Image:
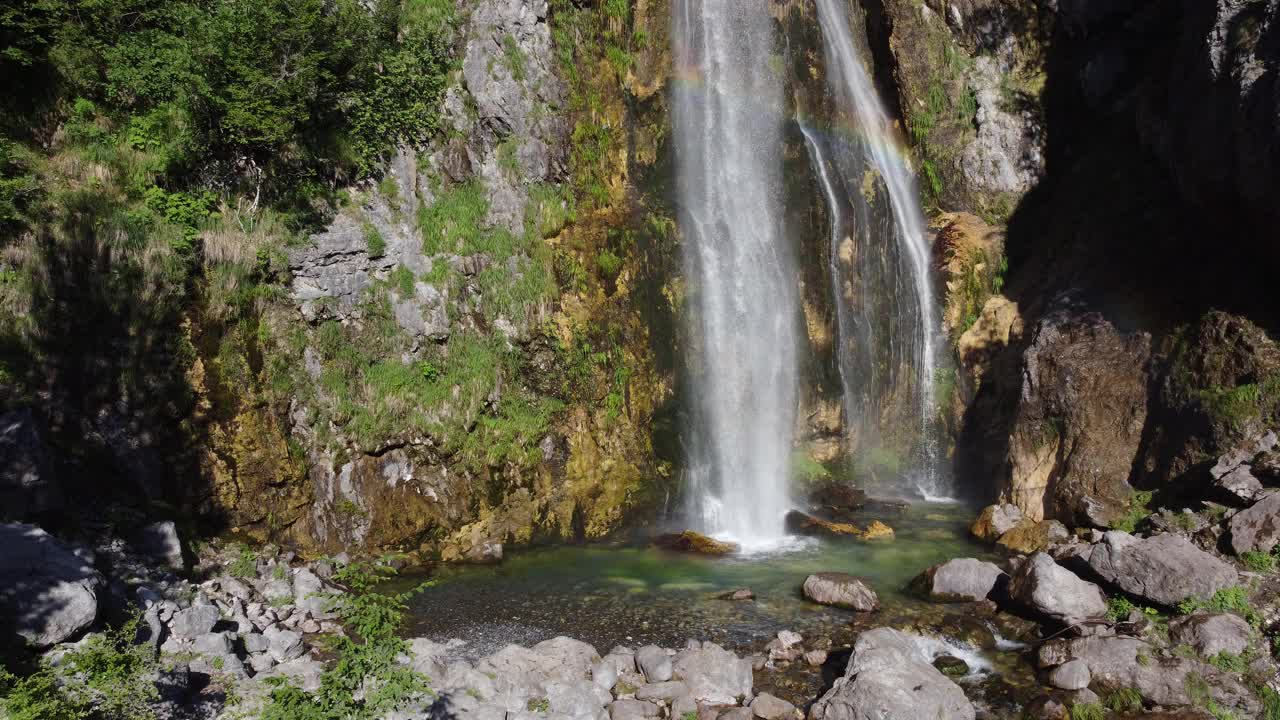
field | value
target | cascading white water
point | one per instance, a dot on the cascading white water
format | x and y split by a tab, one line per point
728	139
906	331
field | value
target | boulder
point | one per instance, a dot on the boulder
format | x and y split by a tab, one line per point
662	691
786	646
692	542
1031	536
1071	675
799	523
633	710
1211	634
960	580
994	521
284	645
48	593
739	594
310	594
769	707
1048	589
1219	352
1243	454
1077	427
1164	569
28	485
713	674
160	542
194	621
889	678
837	496
1121	662
841	590
1239	486
573	657
1257	528
654	662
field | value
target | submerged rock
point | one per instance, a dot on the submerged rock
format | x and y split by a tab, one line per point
694	542
1165	569
888	679
739	594
951	666
841	590
801	523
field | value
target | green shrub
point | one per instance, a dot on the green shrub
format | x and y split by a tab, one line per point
609	264
104	678
1230	662
1234	599
1258	561
366	664
1118	608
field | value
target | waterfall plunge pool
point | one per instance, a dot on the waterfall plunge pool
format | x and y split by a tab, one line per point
634	595
627	594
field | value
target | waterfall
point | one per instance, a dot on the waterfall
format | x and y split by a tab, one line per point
728	138
881	273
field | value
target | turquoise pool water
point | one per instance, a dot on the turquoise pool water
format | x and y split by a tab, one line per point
625	594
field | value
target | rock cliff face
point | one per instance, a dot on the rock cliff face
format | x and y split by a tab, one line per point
1118	219
478	349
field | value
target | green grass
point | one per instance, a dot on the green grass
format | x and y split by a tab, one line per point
1241	406
244	564
373	240
1088	711
1124	700
1234	599
514	58
1138	510
454	223
402	280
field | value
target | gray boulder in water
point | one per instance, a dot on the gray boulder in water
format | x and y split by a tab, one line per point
841	590
960	580
47	591
890	678
1164	569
